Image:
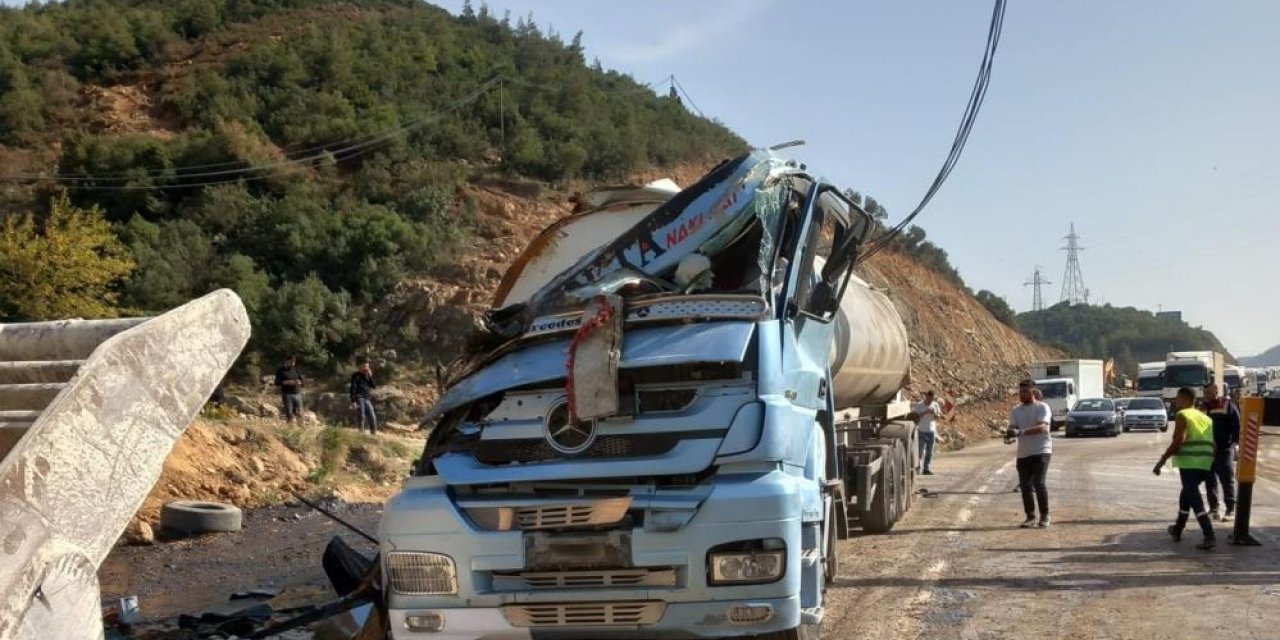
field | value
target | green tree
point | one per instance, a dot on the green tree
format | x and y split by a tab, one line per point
998	307
306	318
173	259
68	266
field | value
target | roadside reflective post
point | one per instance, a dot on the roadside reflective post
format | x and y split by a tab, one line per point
1257	412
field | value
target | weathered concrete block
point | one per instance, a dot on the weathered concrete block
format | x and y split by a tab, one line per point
71	484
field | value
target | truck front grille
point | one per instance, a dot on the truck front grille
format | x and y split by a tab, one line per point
594	513
496	452
555	516
602	579
585	614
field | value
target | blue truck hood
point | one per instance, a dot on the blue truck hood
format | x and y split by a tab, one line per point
725	341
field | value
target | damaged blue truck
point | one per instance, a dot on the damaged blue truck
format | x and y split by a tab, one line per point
680	401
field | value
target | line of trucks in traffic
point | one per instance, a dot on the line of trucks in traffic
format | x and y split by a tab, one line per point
1065	382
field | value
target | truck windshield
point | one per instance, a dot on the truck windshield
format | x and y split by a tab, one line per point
1232	380
1150	383
1053	389
1186	375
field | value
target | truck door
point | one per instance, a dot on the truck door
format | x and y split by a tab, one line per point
809	330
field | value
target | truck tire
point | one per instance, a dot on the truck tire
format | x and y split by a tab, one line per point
905	432
880	517
905	475
188	517
832	565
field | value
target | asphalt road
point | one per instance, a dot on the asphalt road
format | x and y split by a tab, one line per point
959	566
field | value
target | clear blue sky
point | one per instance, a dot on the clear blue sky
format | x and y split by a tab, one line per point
1152	125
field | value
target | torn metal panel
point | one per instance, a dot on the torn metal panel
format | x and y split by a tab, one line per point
79	471
645	347
593	362
704	218
556	248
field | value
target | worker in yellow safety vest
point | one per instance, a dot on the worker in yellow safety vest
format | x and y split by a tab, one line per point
1192	453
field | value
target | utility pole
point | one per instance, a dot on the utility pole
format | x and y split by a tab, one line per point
1073	289
1036	281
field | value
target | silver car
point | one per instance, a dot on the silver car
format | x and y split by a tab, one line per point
1093	416
1145	413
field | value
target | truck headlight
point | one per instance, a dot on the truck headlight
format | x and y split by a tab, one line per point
747	562
414	573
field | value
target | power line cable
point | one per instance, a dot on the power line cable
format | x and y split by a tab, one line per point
303	156
974	105
677	85
257	173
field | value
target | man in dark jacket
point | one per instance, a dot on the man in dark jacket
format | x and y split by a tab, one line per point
289	379
362	397
1226	433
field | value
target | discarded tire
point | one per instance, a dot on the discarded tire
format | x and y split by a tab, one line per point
199	517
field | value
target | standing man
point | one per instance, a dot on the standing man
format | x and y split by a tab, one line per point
927	412
1029	423
362	397
289	379
1192	453
1226	433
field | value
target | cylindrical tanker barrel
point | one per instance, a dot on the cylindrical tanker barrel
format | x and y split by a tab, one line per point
870	356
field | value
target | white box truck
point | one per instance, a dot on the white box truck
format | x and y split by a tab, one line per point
1063	382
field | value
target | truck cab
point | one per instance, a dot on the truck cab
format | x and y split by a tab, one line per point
1192	369
1061	395
651	449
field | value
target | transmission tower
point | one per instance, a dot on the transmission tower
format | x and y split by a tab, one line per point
1036	281
1073	289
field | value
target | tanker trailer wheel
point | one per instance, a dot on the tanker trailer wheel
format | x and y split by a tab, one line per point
905	474
189	517
905	433
880	517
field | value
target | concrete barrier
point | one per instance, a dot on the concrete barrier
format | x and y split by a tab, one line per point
89	410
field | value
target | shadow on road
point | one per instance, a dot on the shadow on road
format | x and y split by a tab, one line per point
1156	525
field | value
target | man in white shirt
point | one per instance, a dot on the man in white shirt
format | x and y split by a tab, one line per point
927	413
1029	423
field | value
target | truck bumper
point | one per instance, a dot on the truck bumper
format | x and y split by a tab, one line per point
680	621
749	507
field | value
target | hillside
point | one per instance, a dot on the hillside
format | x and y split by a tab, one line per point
1127	334
310	154
1268	358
